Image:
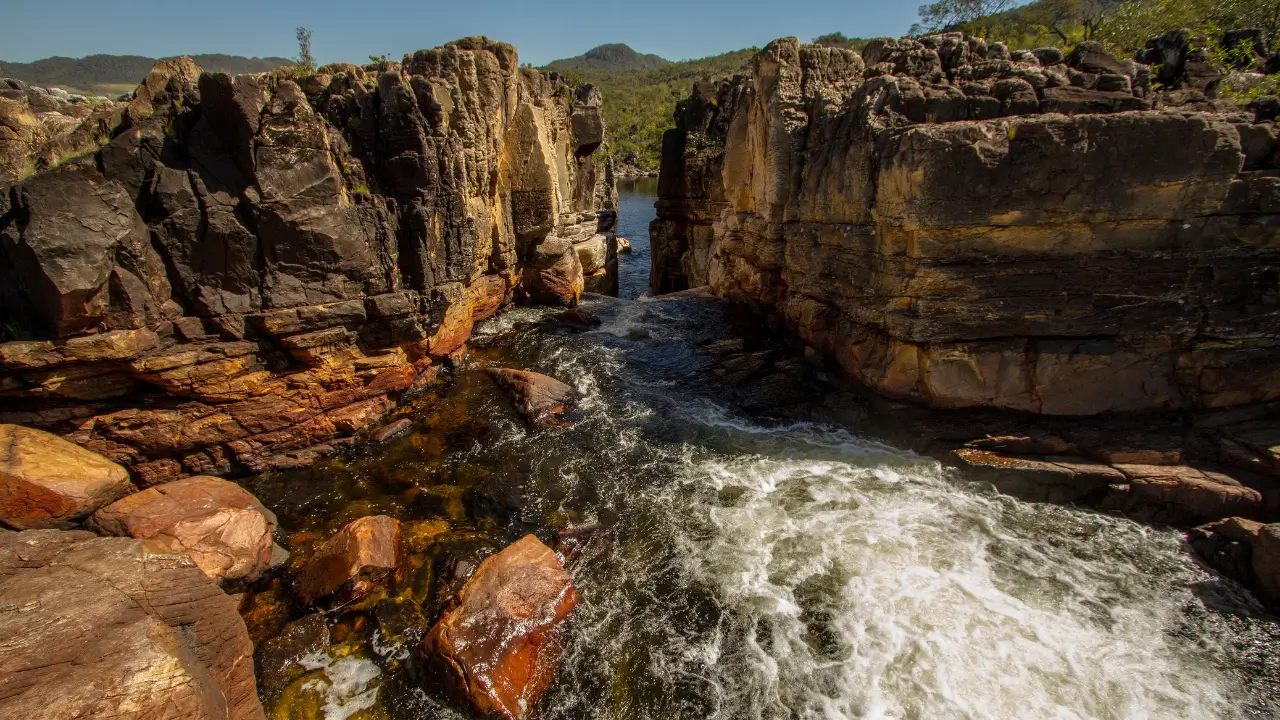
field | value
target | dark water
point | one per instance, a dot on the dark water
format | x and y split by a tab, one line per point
748	568
635	212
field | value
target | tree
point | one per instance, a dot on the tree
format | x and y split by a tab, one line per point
1066	18
948	13
306	60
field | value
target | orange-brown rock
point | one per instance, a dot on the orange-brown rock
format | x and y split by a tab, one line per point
944	233
178	337
218	524
536	398
499	648
352	563
49	483
116	628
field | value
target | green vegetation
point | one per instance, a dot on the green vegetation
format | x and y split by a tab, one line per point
1128	28
306	61
640	100
839	39
114	74
1122	25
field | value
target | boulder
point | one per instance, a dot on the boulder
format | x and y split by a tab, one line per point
578	319
349	565
560	283
497	650
64	255
1266	562
217	523
624	246
49	483
117	628
536	398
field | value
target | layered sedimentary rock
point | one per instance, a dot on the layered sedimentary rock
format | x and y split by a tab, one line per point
249	267
114	627
962	226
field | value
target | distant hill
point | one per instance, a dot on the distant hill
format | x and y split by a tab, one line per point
114	74
639	102
615	56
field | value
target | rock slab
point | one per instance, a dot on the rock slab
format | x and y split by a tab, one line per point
499	647
107	627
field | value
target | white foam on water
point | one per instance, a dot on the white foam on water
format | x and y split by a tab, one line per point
885	591
348	686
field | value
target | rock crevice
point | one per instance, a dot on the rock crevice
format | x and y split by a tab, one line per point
246	269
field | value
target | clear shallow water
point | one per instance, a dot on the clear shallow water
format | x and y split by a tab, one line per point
746	568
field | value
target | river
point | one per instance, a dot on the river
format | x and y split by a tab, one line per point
753	568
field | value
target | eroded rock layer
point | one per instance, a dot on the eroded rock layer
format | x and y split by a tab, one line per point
242	269
963	226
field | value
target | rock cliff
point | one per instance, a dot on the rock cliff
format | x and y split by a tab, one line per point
226	273
960	225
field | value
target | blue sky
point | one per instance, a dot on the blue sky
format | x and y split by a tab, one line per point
351	30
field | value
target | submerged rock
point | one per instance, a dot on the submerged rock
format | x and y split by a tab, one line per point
112	627
578	318
220	525
352	563
49	483
537	398
498	649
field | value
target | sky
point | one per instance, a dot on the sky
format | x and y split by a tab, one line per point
352	30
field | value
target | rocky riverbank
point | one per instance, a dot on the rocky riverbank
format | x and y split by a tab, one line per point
229	274
1008	238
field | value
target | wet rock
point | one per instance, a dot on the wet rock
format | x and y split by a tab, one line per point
536	398
498	649
578	318
113	627
352	563
218	524
49	483
394	430
278	659
1060	480
624	246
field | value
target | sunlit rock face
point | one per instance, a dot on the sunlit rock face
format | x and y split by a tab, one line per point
963	227
272	259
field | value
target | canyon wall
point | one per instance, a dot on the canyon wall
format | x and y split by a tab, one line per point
233	273
962	226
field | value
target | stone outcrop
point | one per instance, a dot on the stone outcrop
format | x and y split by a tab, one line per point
962	227
111	627
498	649
536	398
353	562
225	531
244	271
40	128
49	483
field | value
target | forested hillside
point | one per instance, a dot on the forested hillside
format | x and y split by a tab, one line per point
1122	25
639	103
